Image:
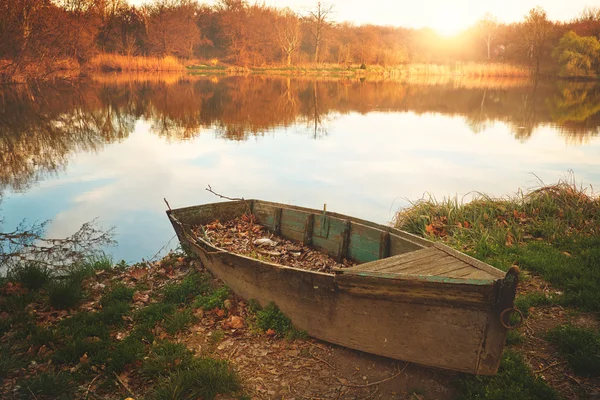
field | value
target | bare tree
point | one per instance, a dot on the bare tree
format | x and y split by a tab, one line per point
488	30
288	33
319	19
536	30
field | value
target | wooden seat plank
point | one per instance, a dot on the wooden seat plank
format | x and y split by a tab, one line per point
442	262
416	265
394	260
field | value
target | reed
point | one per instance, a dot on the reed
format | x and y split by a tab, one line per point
114	62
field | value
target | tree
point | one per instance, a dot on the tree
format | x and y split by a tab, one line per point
172	27
577	55
535	31
319	19
487	27
288	33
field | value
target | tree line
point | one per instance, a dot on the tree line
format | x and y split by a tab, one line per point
36	33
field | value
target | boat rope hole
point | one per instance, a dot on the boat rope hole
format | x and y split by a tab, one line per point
510	312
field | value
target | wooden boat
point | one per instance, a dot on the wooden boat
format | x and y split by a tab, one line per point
407	298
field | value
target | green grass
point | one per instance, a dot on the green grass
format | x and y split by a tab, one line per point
534	299
212	299
185	291
514	381
52	385
514	337
65	293
89	267
203	378
32	276
580	346
178	321
9	362
552	231
183	376
271	317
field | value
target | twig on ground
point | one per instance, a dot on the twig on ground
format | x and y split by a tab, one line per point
378	382
321	360
33	394
87	392
554	364
124	385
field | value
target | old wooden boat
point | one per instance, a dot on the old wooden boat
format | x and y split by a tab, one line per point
407	298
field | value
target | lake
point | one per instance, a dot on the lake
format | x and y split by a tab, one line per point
112	147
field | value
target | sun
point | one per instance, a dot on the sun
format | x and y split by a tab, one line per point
450	25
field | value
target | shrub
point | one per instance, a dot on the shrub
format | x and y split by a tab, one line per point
581	347
65	293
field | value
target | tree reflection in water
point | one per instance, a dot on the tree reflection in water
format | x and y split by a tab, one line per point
41	127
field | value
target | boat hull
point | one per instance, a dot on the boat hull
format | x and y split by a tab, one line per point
447	324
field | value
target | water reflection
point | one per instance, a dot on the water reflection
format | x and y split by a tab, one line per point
42	126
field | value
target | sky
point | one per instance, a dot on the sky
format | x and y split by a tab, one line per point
445	16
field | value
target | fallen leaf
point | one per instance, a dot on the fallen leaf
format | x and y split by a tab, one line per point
84	358
137	273
4	316
235	322
271	332
429	229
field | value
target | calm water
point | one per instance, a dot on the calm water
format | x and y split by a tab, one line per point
114	147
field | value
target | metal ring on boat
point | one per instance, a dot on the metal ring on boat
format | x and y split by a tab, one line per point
510	311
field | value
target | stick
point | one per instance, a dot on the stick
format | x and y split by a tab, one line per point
124	385
554	364
320	359
87	393
209	189
33	394
378	382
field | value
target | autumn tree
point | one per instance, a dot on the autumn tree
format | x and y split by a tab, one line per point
172	27
535	31
319	20
288	33
487	27
577	55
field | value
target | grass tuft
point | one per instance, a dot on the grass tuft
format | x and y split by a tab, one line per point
178	321
50	385
65	293
271	317
184	291
212	299
513	381
115	62
580	346
32	276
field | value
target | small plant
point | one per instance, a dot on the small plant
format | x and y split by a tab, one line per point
178	321
65	293
164	357
581	347
118	293
183	292
9	362
271	317
514	337
125	352
212	299
513	381
51	385
202	378
113	312
32	276
533	299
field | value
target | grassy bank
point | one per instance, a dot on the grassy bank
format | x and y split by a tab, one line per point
553	234
115	62
107	332
458	69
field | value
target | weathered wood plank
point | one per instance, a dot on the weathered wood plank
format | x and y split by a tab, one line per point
333	242
365	243
401	245
308	229
417	267
293	224
418	263
394	260
442	268
470	260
